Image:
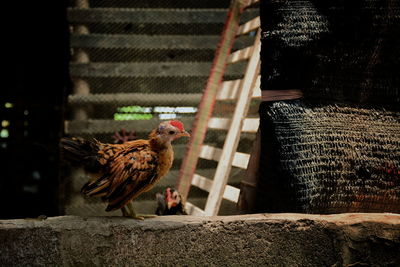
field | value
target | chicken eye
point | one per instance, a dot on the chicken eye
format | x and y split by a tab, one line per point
171	132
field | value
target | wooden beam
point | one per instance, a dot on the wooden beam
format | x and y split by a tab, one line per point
249	26
136	99
148	69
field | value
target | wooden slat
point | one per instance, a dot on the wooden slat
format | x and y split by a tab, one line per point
249	124
136	99
148	69
249	26
146	15
152	15
144	41
231	193
210	153
202	182
228	155
110	126
239	160
242	54
193	210
229	90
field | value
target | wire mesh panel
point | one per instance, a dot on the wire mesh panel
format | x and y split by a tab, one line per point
135	63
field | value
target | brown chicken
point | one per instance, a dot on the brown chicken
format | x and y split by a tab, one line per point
121	172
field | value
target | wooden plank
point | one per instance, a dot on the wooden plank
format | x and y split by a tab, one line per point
144	41
242	54
110	126
136	99
146	15
193	210
239	159
228	154
229	90
231	193
152	15
249	26
147	69
249	124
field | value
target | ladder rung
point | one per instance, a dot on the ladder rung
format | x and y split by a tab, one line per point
193	210
202	182
229	89
240	160
231	193
219	123
249	124
242	54
249	26
210	153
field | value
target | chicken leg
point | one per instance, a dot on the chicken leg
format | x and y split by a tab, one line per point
132	213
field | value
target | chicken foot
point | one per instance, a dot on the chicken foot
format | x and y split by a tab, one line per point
132	213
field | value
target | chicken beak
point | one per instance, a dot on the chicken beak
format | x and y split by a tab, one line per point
184	133
170	204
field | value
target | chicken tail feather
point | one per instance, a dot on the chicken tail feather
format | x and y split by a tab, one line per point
80	152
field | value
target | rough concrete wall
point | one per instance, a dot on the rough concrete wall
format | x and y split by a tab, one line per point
248	240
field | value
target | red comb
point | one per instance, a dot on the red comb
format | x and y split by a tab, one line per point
177	124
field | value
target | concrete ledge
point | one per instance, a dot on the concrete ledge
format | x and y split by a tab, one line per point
249	240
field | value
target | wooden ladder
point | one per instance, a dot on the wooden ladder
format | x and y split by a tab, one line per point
242	91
